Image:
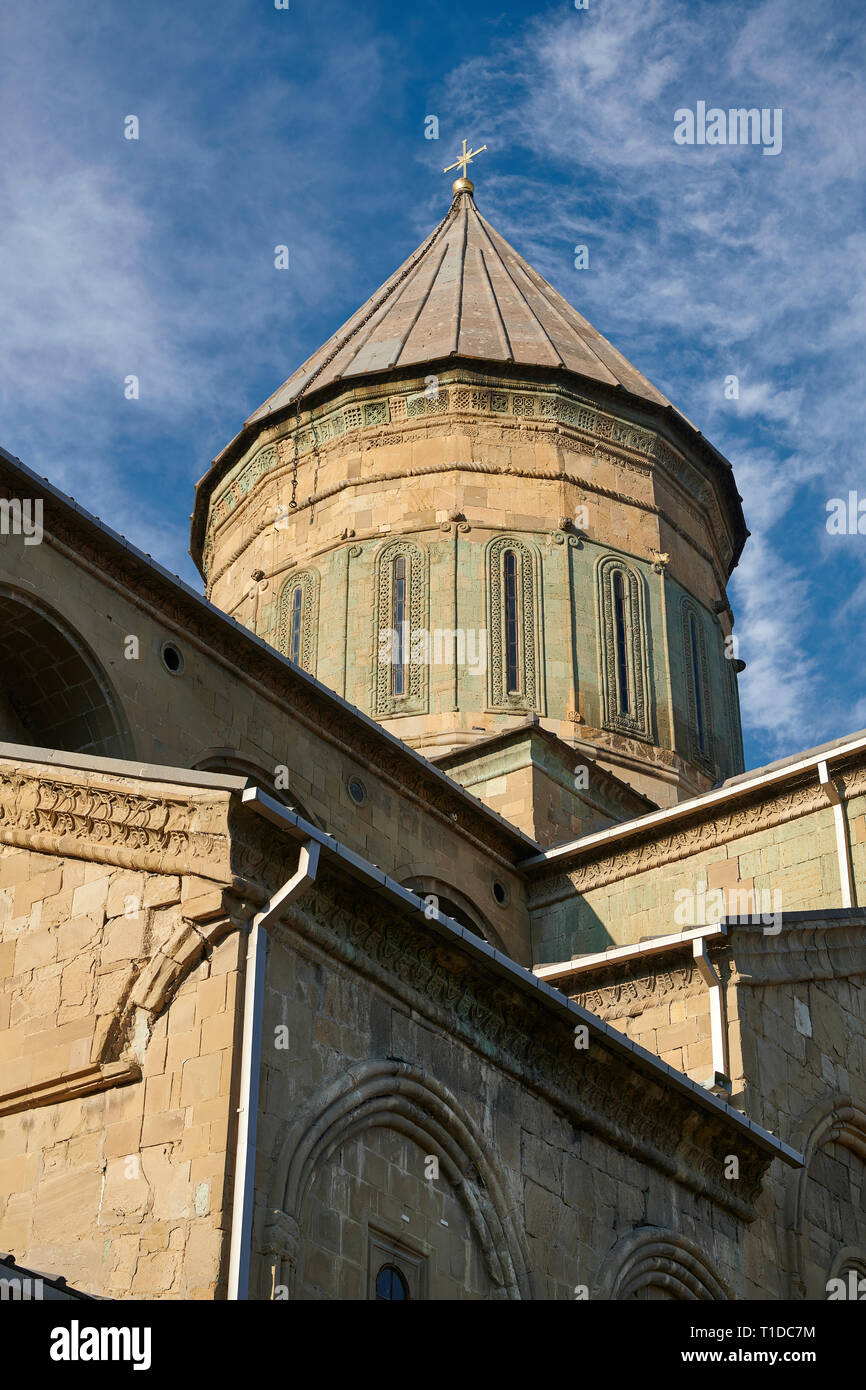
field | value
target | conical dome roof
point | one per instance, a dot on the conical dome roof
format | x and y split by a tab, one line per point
466	293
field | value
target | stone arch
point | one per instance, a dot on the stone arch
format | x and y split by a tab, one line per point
455	904
55	694
531	626
838	1120
850	1257
638	718
398	1096
650	1257
235	763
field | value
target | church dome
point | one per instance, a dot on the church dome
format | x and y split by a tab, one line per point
464	293
467	512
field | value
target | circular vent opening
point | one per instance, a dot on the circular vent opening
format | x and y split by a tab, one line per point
172	659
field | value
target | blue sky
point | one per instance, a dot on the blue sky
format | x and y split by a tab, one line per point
260	127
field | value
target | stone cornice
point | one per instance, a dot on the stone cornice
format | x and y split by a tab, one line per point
93	817
811	946
593	395
698	829
576	421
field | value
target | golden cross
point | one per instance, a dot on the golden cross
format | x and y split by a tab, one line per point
464	159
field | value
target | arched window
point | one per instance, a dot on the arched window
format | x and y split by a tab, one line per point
298	619
623	693
401	639
512	634
513	630
698	695
623	650
696	683
400	677
295	624
390	1284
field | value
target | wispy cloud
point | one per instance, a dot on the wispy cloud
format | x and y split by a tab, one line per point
155	258
714	262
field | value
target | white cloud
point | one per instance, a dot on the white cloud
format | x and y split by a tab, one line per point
710	262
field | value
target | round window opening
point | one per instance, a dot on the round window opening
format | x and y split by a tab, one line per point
357	790
390	1284
172	659
500	893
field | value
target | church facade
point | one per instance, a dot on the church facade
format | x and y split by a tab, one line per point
398	920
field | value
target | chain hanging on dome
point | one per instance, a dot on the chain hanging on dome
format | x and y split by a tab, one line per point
294	499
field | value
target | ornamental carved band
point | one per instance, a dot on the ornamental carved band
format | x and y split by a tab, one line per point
308	583
413	699
625	701
699	707
527	696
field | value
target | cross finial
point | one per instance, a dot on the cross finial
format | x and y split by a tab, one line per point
463	184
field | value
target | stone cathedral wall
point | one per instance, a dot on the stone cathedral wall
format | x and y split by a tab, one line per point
115	1109
794	1007
384	1044
534	1191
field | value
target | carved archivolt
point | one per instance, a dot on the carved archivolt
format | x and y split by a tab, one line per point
397	1096
840	1120
308	583
637	720
530	629
115	1058
652	1257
